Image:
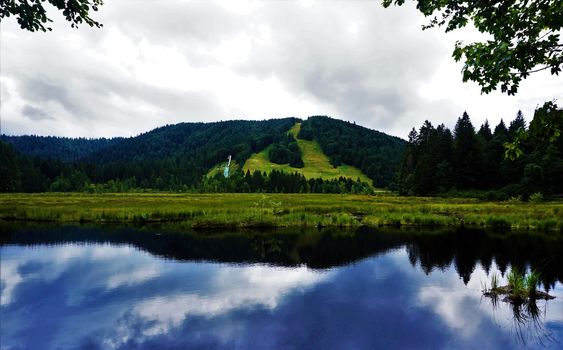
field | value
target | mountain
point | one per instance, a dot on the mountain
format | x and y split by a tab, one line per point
179	156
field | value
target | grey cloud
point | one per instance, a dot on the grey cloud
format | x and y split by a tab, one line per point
4	92
35	113
195	27
40	90
94	95
197	21
371	80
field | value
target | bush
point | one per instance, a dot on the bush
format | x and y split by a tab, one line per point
536	197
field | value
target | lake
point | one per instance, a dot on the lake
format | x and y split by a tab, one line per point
65	287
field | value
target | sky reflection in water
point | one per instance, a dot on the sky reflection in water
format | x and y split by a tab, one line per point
102	296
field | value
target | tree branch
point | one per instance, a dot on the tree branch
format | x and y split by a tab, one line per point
530	71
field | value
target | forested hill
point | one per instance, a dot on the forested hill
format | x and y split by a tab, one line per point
58	148
181	154
205	144
174	157
376	154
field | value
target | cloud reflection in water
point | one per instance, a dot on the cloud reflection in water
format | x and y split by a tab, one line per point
103	296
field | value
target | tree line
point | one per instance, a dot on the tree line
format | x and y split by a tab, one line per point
507	161
482	163
281	182
20	173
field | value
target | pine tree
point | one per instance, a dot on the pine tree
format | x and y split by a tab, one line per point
517	124
466	154
485	131
488	161
501	132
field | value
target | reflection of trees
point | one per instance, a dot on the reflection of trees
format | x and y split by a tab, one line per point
432	249
266	246
466	247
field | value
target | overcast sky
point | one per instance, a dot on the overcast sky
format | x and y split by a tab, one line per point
161	62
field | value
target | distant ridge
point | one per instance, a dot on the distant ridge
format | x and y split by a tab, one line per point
184	153
65	149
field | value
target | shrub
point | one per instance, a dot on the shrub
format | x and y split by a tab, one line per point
536	197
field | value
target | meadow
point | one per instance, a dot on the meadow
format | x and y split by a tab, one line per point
238	210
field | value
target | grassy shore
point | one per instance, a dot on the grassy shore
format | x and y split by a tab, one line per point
279	210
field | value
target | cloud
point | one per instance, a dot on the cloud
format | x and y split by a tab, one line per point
232	288
10	279
181	61
368	74
35	113
89	96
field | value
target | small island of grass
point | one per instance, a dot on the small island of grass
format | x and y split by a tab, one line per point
521	288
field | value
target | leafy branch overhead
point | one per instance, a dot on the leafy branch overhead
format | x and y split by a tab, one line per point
525	38
32	15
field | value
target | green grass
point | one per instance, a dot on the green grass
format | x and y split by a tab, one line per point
516	283
317	164
531	282
279	210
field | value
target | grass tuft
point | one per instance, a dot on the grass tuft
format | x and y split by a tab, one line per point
520	289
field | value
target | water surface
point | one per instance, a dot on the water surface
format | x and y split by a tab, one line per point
127	288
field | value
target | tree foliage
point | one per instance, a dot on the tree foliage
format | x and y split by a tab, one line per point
286	151
32	15
437	161
525	38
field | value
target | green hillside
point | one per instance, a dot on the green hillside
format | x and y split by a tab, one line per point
316	162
